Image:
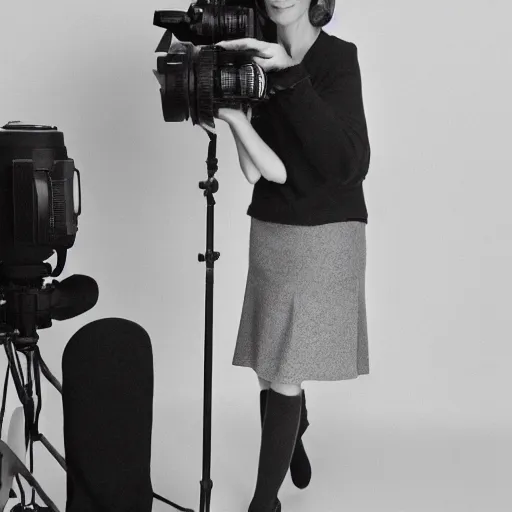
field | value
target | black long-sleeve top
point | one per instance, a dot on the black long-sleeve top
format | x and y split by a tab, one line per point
315	122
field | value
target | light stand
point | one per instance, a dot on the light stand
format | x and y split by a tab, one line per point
210	187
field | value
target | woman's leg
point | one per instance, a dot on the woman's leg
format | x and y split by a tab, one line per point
264	384
284	389
278	438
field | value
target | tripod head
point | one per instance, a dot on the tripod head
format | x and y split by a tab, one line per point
24	304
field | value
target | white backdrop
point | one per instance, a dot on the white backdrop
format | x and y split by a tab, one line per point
429	427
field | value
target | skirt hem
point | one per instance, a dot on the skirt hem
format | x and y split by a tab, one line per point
325	378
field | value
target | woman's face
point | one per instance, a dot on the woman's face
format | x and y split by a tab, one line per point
284	12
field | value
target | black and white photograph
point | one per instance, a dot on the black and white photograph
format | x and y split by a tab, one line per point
255	256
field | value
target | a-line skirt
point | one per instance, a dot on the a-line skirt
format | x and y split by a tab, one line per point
304	312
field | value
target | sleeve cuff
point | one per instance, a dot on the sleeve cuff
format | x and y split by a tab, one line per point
287	78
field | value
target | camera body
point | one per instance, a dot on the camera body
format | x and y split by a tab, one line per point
197	77
40	194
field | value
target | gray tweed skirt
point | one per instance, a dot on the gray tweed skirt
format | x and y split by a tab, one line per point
304	311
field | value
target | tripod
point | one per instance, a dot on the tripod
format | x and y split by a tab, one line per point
18	334
27	307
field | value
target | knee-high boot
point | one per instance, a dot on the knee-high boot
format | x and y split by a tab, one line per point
278	436
300	467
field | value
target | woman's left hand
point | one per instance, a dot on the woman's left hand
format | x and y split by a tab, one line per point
273	55
231	115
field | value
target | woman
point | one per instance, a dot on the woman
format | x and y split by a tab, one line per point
307	152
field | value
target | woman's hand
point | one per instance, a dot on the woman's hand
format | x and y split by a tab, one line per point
273	55
231	115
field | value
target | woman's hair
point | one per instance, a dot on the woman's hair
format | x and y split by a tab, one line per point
320	12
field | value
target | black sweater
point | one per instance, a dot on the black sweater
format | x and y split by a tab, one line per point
315	122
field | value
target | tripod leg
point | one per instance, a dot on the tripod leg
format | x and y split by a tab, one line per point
19	469
21	389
